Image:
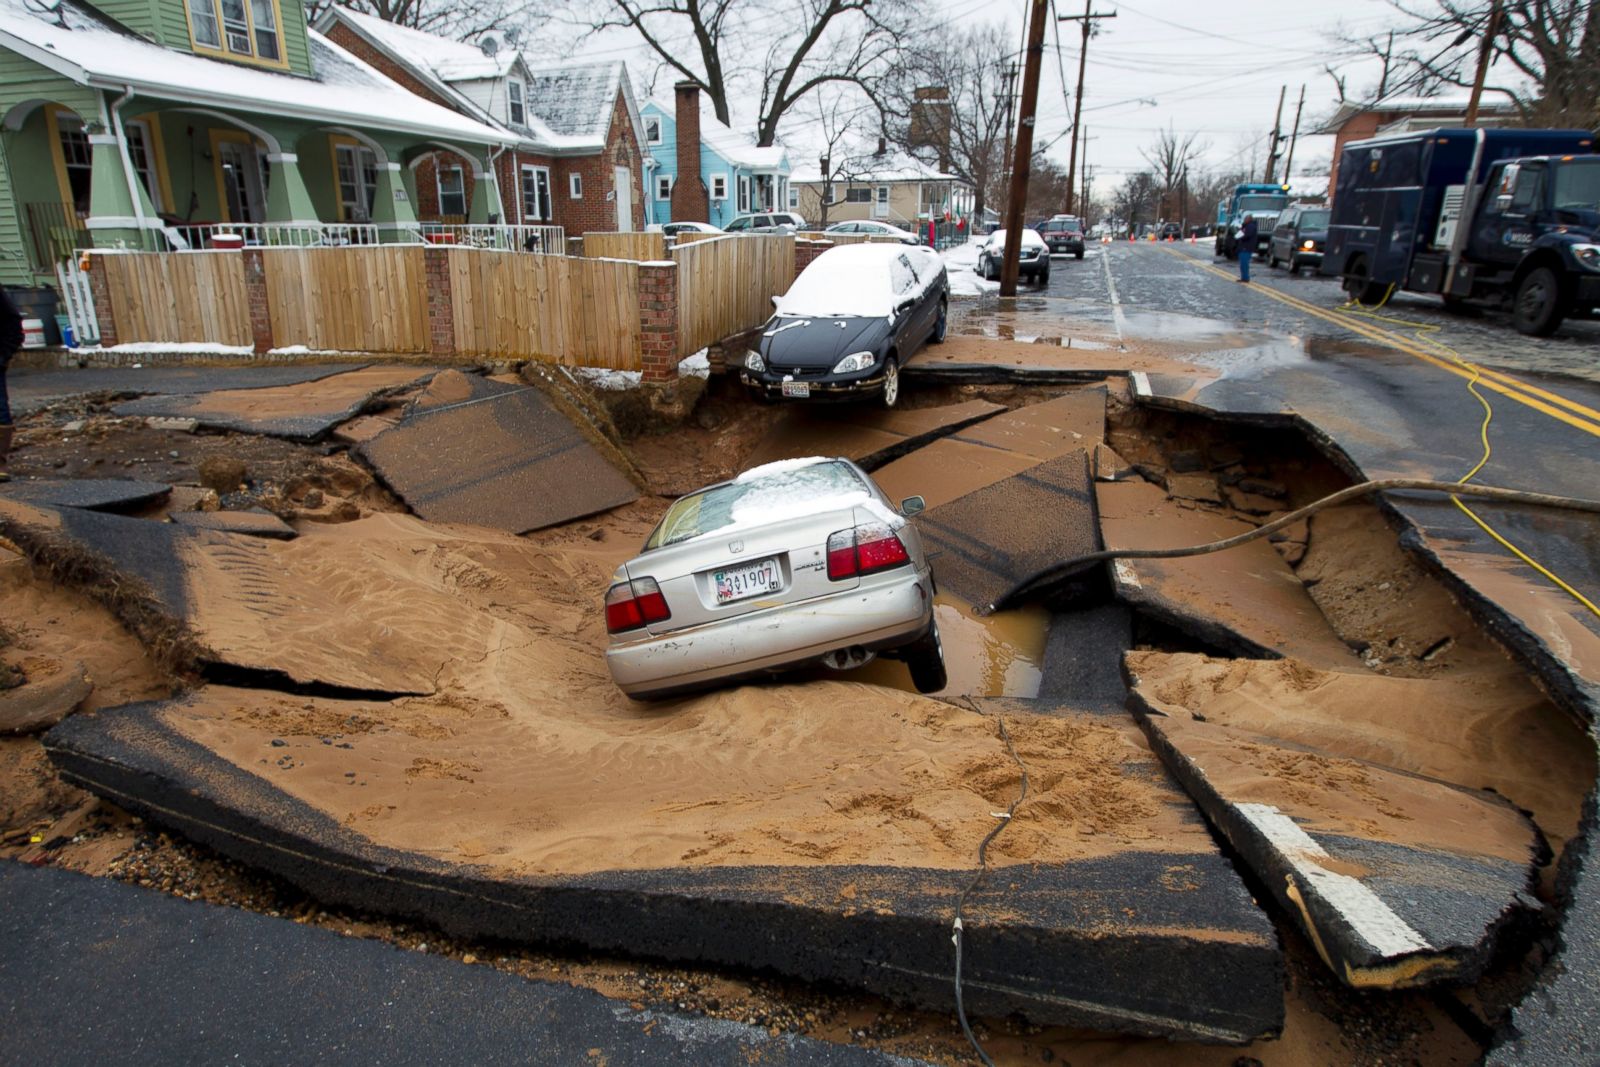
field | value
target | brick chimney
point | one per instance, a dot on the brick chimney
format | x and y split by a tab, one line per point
690	202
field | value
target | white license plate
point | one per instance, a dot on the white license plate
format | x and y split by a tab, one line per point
751	579
800	389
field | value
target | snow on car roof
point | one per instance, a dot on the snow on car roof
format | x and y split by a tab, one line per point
780	466
847	281
1029	237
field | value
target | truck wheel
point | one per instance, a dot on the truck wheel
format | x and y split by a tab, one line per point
1359	284
925	659
1538	308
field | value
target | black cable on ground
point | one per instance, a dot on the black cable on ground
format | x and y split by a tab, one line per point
983	869
1488	492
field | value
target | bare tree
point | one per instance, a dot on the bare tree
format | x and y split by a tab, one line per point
1546	54
963	63
1170	158
724	46
842	119
465	20
1137	198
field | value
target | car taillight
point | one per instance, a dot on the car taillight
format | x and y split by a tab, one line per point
630	605
866	549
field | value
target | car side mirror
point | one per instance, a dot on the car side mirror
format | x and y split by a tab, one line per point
774	303
904	306
913	505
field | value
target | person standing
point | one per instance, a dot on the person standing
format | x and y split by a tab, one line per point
10	341
1247	247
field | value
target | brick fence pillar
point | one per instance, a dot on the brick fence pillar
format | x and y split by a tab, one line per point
255	293
658	321
100	290
806	251
441	304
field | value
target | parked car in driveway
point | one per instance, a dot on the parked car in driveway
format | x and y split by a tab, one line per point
1064	235
672	229
767	222
873	228
792	564
1033	259
1299	237
849	323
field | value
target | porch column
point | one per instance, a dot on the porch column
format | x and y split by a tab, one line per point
287	198
393	209
111	214
485	197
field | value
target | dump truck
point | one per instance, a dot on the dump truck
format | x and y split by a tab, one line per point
1506	216
1262	200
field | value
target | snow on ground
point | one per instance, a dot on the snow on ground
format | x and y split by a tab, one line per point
695	366
960	264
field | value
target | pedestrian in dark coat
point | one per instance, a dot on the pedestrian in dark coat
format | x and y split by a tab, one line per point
10	341
1247	247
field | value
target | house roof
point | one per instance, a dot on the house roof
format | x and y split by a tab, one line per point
448	60
887	169
732	145
576	99
1413	105
86	49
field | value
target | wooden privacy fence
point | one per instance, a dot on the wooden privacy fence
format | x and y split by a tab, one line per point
639	246
726	286
360	299
689	237
169	296
582	312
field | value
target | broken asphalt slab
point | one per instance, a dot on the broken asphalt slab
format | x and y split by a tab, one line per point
984	543
869	436
1398	880
33	389
301	411
94	494
93	970
256	522
507	461
1163	941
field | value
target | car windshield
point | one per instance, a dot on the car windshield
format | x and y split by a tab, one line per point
1315	220
841	283
777	491
1261	203
1578	185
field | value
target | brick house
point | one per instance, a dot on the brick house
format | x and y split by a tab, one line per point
576	161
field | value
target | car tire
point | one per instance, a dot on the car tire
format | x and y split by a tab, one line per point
941	325
1078	254
1272	260
891	382
1539	305
1294	264
925	659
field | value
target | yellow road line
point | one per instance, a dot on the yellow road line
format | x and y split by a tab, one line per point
1501	383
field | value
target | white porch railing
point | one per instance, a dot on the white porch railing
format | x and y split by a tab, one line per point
192	237
188	237
551	240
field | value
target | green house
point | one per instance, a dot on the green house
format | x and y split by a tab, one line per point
161	124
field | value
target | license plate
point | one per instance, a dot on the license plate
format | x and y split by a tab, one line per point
748	580
800	389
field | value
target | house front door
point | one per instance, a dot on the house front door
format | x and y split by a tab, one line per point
242	188
880	202
624	184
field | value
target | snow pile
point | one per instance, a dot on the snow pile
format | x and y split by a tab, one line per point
613	380
696	366
961	265
158	348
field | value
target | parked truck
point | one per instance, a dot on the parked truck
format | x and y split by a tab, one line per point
1261	200
1508	216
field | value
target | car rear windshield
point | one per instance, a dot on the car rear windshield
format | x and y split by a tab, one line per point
1314	220
766	494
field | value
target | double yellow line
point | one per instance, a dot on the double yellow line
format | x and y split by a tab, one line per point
1574	414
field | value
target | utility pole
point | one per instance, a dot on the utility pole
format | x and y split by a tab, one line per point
1288	164
1485	53
1083	200
1086	25
1277	136
1009	77
1018	196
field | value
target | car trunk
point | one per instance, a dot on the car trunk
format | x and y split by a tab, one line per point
687	572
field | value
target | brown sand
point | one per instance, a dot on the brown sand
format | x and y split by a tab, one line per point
1477	732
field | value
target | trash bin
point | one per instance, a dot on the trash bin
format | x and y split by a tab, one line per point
33	333
37	302
231	241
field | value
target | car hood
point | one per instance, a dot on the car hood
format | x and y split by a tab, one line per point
818	342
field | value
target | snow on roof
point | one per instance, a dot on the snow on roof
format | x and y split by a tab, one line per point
846	280
889	167
1414	105
90	51
729	143
450	60
576	99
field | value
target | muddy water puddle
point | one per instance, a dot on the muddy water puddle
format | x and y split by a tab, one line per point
1000	655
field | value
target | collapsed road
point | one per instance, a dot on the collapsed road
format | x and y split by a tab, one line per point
402	723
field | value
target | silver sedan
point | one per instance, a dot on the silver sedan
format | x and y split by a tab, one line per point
794	563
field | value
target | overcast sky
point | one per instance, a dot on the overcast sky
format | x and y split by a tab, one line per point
1207	66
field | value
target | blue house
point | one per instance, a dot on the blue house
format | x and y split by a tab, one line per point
736	175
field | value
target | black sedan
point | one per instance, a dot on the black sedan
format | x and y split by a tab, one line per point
1298	238
848	323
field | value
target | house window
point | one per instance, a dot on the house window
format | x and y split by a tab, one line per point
143	159
652	130
575	186
663	187
535	194
78	157
794	197
242	28
452	191
744	193
719	187
357	174
514	95
854	195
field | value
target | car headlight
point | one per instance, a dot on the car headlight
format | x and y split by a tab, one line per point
1308	245
753	361
855	361
1587	256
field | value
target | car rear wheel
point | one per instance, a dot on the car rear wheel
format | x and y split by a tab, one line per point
1078	254
941	324
1537	310
1294	264
925	659
1272	259
891	382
